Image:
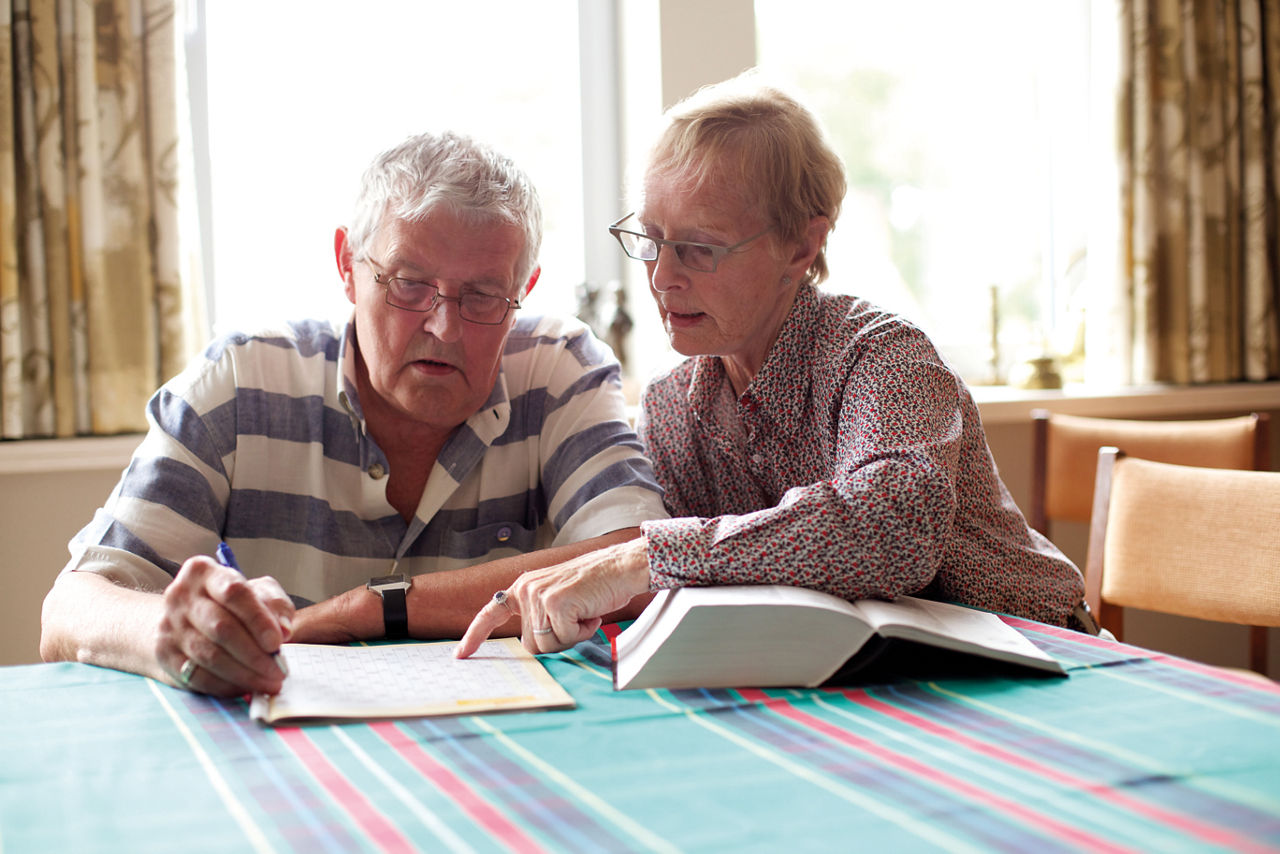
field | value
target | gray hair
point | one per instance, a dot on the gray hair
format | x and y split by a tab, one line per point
453	172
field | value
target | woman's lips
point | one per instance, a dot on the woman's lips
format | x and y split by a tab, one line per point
682	320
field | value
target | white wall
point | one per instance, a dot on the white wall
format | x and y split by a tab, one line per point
686	30
39	513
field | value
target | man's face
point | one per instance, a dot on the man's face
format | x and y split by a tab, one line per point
432	368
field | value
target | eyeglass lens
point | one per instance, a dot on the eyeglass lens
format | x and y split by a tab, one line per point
423	296
692	255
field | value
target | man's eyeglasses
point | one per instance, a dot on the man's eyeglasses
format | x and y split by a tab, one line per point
473	306
702	257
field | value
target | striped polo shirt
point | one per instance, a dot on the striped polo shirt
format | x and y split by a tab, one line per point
261	442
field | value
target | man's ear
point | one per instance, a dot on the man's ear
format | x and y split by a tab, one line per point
342	254
533	280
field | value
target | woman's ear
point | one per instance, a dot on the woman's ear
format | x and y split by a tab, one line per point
342	254
808	247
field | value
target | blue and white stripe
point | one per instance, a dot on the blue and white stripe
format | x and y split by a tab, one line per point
261	442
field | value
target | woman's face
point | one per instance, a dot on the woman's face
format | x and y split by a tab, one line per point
736	311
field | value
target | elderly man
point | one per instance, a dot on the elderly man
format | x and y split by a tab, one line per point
385	479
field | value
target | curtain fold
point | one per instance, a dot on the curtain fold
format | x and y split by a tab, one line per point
1200	164
97	307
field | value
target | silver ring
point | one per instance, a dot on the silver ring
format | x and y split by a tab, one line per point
545	631
185	672
501	598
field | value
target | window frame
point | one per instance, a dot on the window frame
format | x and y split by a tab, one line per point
600	110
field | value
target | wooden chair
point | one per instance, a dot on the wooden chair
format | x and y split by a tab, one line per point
1065	454
1186	540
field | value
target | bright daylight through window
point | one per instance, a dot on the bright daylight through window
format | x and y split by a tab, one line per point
966	133
969	131
303	96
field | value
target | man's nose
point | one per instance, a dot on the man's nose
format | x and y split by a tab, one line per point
443	319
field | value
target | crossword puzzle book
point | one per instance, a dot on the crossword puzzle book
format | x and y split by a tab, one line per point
407	680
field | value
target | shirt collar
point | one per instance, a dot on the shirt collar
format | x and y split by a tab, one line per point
780	390
347	394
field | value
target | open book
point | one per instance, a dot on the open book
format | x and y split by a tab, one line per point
774	636
407	680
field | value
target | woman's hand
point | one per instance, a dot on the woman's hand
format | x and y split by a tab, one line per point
220	630
562	605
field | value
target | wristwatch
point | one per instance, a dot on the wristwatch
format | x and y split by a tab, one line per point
395	611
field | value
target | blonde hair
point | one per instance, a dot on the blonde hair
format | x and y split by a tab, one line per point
764	141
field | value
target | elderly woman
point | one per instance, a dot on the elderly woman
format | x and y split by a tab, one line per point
810	439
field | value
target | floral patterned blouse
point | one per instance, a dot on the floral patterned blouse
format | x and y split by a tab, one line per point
854	463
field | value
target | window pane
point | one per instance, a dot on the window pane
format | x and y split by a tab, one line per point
303	95
963	127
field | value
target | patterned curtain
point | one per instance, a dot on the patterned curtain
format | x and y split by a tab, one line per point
97	303
1200	166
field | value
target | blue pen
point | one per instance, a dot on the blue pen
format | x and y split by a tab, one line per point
227	558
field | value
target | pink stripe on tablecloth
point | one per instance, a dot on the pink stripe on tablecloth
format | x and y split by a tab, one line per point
1208	833
1057	829
458	790
375	825
1242	679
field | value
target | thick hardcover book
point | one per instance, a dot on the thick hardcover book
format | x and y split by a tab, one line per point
776	636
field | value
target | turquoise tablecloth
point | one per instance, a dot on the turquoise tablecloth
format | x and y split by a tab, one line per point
1133	751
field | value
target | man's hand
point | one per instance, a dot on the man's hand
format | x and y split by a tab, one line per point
562	605
219	630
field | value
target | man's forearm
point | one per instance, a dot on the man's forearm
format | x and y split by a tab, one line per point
90	619
441	604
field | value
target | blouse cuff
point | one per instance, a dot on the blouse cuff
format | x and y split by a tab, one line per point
674	547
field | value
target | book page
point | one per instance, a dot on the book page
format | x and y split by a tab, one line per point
955	627
408	679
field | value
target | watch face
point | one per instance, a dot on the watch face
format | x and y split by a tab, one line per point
389	581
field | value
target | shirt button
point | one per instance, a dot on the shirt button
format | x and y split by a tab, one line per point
504	534
758	459
376	471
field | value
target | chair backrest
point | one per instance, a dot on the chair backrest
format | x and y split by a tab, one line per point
1065	453
1185	540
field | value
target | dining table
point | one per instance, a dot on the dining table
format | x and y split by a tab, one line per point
1133	750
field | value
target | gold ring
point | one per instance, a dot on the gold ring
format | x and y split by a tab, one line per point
185	672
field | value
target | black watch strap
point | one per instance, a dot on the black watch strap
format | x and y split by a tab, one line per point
395	608
395	613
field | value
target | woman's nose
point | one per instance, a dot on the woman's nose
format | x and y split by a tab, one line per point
666	272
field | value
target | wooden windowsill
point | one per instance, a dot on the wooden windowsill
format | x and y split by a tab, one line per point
90	453
1006	405
998	405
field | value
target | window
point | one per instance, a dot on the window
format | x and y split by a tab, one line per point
973	135
966	134
301	96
